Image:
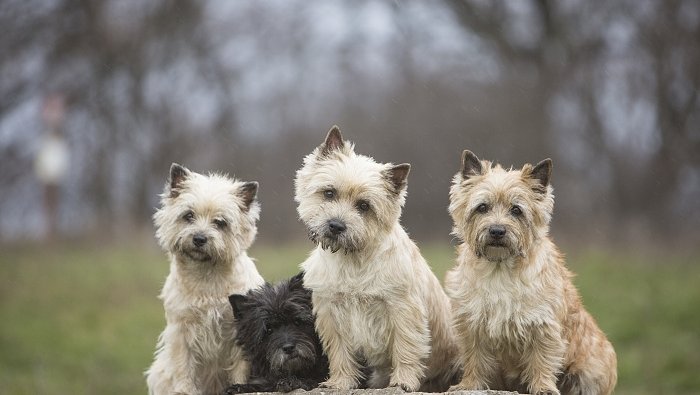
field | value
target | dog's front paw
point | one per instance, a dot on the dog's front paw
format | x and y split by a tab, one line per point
544	387
308	385
546	392
288	384
405	380
466	387
234	389
339	383
403	387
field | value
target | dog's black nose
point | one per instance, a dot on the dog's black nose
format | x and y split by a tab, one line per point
337	227
288	348
199	240
497	231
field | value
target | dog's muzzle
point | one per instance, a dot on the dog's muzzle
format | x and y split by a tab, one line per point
333	236
293	358
336	227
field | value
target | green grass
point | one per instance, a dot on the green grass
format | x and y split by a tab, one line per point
84	320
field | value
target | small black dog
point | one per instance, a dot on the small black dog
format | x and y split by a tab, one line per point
275	329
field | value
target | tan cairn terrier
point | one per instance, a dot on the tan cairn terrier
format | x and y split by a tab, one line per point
205	224
520	321
378	304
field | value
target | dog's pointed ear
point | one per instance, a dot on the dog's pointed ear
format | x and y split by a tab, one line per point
471	165
542	172
237	303
178	174
334	141
248	191
297	282
397	176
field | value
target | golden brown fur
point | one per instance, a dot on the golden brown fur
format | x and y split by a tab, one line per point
205	224
519	318
376	300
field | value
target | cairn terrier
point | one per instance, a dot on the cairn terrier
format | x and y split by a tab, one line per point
275	329
376	300
205	224
519	318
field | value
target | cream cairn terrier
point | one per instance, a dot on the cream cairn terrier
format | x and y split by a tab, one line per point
376	300
205	224
519	318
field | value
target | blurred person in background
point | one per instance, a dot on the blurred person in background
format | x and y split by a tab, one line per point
51	162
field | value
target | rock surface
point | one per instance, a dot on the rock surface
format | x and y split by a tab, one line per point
385	391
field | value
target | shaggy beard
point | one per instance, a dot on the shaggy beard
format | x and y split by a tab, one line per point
302	361
484	244
334	244
196	254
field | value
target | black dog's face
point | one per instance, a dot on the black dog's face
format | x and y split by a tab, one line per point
276	328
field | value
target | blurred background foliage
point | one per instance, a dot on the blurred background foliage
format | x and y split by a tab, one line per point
608	89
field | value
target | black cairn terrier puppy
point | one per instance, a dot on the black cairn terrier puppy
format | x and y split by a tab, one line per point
275	329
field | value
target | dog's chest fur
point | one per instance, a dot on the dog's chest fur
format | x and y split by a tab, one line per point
210	326
357	298
504	309
503	305
204	322
199	318
369	317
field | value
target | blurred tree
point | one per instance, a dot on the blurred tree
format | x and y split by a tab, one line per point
608	89
121	66
568	50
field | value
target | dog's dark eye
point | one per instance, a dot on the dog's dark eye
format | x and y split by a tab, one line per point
329	194
516	211
298	322
220	223
188	216
363	205
482	208
268	330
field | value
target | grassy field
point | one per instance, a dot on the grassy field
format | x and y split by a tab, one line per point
84	320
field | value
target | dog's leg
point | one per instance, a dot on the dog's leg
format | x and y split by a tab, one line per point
379	377
183	374
344	369
288	384
478	361
248	388
186	371
411	344
239	371
308	384
542	360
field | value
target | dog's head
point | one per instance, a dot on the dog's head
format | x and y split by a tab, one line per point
346	200
500	213
275	327
206	219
